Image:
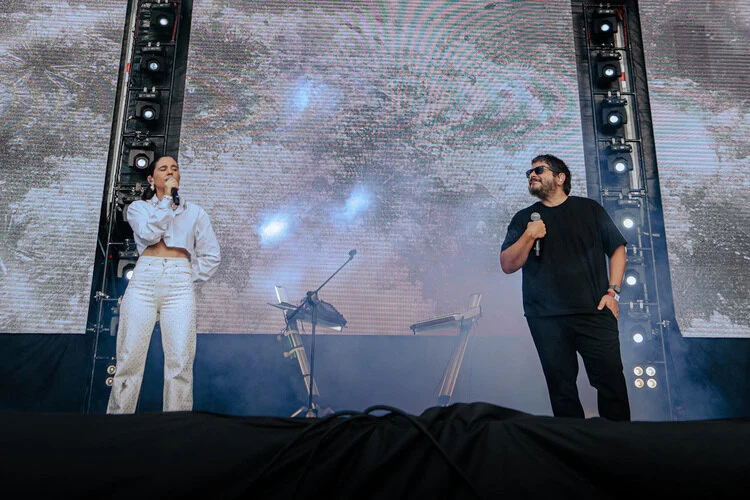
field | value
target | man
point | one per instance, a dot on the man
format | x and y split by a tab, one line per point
570	303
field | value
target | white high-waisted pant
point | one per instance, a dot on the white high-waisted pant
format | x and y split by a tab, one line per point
165	286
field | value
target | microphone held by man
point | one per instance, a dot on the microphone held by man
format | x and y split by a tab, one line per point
539	230
537	246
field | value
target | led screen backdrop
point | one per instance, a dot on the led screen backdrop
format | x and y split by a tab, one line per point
698	66
399	129
58	73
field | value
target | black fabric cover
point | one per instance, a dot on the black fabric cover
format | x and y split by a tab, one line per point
502	453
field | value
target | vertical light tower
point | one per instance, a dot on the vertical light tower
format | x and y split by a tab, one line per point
618	178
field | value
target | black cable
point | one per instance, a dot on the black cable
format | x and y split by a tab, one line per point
356	415
416	423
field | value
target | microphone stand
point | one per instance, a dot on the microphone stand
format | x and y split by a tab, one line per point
311	298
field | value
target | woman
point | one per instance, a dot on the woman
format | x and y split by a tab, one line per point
177	246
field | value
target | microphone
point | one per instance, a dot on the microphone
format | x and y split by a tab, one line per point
175	196
352	253
535	217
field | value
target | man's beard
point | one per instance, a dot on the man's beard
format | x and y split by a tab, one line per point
540	190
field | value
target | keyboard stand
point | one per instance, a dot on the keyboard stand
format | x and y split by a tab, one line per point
464	323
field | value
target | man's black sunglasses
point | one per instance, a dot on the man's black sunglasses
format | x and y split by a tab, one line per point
538	170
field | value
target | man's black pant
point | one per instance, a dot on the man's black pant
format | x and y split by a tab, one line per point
596	338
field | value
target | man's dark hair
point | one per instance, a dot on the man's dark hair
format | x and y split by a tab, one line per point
556	165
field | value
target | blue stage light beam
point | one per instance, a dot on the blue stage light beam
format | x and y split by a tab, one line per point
274	229
359	201
301	97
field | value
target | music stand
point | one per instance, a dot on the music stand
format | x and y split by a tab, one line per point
308	311
464	322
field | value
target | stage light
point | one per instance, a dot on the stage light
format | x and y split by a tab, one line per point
628	219
620	165
651	383
619	158
125	268
147	107
127	257
608	68
612	114
638	383
633	286
162	19
603	25
153	64
147	111
141	154
627	214
141	160
640	332
632	278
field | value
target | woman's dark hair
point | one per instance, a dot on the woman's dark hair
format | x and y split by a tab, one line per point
557	166
149	193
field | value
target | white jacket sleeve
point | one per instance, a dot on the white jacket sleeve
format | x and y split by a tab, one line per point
207	253
150	223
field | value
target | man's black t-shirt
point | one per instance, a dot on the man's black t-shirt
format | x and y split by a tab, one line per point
570	275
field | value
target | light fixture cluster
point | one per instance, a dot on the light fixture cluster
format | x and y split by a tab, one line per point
624	192
149	86
645	377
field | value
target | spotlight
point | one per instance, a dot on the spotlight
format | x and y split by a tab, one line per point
140	159
604	25
612	114
633	284
619	158
147	111
640	332
153	62
161	21
125	268
632	278
608	69
627	215
645	346
147	107
141	154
